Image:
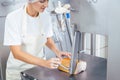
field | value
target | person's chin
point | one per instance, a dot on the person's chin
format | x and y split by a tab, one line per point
42	10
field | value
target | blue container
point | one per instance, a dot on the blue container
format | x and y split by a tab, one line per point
67	15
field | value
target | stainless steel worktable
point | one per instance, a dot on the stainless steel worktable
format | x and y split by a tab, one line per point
96	70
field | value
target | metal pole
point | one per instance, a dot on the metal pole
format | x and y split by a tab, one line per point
93	44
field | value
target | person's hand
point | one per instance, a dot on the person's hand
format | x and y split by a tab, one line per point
61	53
53	63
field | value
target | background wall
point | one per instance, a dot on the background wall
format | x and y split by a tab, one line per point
2	20
91	16
102	17
113	22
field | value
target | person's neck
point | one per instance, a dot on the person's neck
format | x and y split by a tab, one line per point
30	11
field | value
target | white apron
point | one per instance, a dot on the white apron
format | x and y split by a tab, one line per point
32	44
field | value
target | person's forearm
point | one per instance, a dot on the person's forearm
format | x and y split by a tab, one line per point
23	56
50	43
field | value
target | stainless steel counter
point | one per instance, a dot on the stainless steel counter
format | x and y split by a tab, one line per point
96	70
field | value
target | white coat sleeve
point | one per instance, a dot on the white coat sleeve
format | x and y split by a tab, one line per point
11	33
